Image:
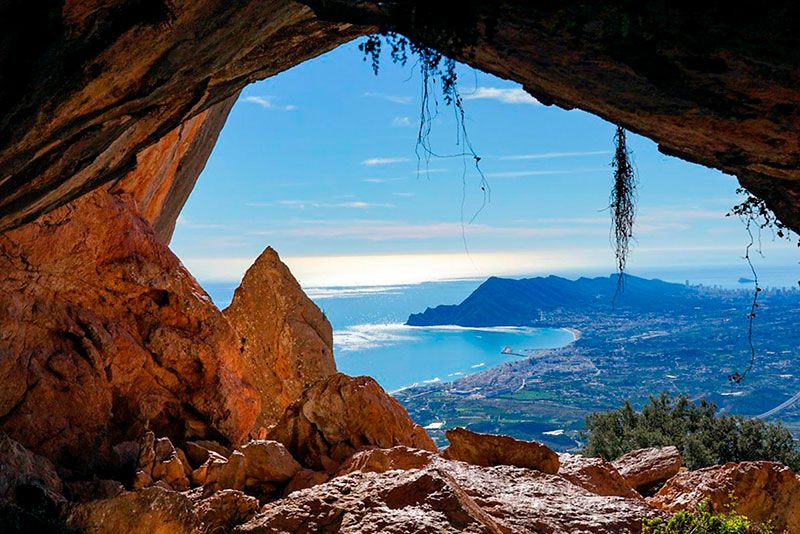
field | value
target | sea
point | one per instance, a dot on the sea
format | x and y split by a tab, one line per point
371	338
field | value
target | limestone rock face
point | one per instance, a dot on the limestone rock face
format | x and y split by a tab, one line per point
450	497
762	491
340	415
97	82
286	341
488	450
382	460
105	334
645	468
88	96
595	475
166	171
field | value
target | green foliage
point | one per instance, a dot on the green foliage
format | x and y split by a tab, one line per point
701	435
703	520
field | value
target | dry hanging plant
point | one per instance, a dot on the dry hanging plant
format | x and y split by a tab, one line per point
622	205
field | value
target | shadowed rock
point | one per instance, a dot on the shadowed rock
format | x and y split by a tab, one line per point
644	469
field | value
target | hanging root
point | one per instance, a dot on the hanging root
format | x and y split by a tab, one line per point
623	205
433	67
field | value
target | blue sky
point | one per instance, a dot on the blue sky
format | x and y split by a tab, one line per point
319	163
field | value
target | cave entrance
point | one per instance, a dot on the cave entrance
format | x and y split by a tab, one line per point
319	162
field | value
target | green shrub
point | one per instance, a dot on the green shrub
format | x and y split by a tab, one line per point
703	437
703	520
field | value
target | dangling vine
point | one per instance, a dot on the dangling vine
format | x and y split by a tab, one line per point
622	205
755	215
433	67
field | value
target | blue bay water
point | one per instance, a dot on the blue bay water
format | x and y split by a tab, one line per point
371	339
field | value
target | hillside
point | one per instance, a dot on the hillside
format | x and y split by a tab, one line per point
509	302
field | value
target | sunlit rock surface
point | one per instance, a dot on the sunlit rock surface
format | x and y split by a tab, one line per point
595	475
644	469
285	340
489	450
340	415
449	496
765	492
105	334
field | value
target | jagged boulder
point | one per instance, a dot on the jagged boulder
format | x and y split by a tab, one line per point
765	492
105	334
340	415
450	497
645	469
268	461
595	475
488	450
161	463
225	509
286	341
259	466
382	460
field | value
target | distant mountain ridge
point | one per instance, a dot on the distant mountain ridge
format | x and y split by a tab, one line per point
511	302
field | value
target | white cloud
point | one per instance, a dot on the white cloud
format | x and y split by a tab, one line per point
392	269
397	99
520	174
506	96
401	122
385	230
313	204
382	180
267	102
552	155
373	162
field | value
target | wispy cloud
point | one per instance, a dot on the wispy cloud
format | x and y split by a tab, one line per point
401	122
397	99
522	174
313	204
267	102
504	95
553	155
374	162
385	230
382	180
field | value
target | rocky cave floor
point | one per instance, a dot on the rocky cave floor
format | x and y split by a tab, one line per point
480	483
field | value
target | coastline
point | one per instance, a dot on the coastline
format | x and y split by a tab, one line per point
576	334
